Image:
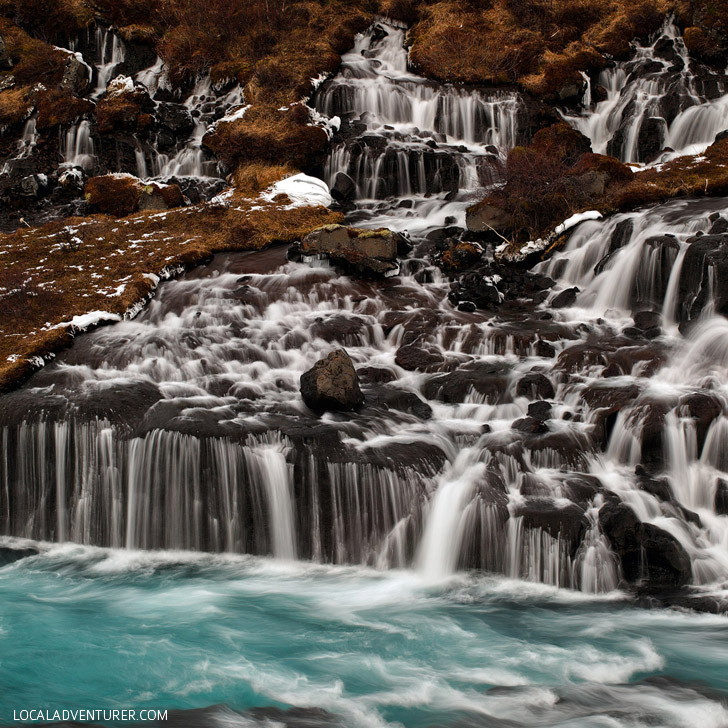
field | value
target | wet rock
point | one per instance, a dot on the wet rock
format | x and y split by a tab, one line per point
651	138
704	409
344	188
175	117
667	563
721	497
332	384
535	384
418	358
486	218
33	185
363	252
544	349
467	307
719	224
530	425
705	269
9	554
646	320
76	75
567	523
489	381
345	330
407	402
647	553
565	298
376	375
540	410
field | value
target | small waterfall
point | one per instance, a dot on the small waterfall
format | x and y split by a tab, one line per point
77	146
445	525
595	565
268	465
28	140
110	52
655	102
414	138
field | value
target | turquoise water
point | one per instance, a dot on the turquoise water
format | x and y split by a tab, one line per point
83	627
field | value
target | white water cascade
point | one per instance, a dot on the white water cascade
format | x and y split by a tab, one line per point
413	138
511	445
657	107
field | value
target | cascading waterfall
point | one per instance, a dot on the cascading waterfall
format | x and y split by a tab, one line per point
656	105
111	53
184	429
412	138
77	146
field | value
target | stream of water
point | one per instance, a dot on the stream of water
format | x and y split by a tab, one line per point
199	537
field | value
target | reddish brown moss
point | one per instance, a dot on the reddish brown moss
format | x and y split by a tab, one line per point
269	136
122	112
543	45
113	194
56	107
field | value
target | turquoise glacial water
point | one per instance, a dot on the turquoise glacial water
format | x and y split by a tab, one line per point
91	628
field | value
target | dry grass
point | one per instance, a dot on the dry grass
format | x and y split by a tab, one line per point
542	45
267	135
62	270
552	179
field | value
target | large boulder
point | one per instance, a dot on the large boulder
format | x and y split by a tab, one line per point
486	217
332	384
76	74
363	252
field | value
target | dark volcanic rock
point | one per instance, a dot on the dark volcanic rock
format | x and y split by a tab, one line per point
344	188
721	497
647	553
332	384
535	384
418	358
490	381
568	523
705	268
565	298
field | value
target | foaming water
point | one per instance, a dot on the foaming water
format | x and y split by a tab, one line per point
389	649
656	106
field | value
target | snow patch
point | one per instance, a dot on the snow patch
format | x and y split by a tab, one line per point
575	220
302	190
86	320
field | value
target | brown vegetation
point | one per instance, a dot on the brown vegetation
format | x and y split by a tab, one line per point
542	45
268	135
67	269
122	194
554	177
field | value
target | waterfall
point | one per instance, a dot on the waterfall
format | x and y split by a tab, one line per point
655	106
110	52
413	138
77	146
505	448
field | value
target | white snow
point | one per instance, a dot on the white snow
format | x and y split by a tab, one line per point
575	220
120	85
93	318
302	191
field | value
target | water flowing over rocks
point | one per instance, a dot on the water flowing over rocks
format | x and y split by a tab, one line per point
564	421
